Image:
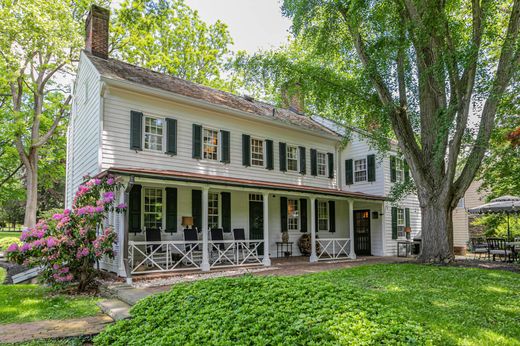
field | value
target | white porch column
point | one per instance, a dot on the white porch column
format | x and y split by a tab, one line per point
314	257
266	261
351	228
204	266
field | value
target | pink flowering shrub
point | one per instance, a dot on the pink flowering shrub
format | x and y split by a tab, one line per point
68	245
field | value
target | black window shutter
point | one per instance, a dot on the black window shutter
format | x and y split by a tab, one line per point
393	173
394	223
303	215
171	209
371	167
269	159
283	213
316	223
134	209
226	211
283	155
246	150
407	220
171	136
330	156
197	141
136	130
406	171
196	208
349	172
314	162
303	160
225	149
332	216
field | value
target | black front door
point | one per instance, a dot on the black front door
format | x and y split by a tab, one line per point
256	223
362	232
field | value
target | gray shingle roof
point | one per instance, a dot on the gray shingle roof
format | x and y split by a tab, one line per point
119	70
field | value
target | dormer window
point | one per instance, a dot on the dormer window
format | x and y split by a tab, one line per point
210	147
292	158
153	133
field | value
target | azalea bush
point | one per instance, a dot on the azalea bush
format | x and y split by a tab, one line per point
68	244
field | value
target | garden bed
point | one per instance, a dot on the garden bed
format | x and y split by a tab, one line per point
374	304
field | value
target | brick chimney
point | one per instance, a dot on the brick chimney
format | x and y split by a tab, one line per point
292	97
96	30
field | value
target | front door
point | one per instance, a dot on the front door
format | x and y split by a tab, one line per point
362	232
256	222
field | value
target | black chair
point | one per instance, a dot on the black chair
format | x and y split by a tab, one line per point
157	250
217	237
239	235
497	247
479	247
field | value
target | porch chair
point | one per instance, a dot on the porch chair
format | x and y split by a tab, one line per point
217	239
479	247
239	235
159	256
190	234
497	247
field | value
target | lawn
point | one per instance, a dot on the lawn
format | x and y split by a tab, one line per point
406	304
26	303
10	234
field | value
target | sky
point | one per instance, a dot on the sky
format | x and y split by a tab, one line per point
253	24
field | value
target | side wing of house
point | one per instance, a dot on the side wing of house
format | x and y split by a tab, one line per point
83	133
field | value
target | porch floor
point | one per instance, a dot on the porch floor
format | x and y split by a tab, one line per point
148	284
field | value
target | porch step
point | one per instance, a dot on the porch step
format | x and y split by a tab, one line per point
115	308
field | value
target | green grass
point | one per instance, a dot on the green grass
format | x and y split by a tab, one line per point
10	235
406	304
74	341
27	303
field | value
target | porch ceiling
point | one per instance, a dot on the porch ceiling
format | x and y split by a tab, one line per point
235	182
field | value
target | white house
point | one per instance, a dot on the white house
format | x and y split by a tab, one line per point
196	158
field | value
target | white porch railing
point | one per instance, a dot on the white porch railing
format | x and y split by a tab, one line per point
333	249
165	256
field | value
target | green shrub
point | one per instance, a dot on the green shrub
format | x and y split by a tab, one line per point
5	242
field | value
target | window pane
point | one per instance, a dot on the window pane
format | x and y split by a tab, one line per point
292	214
292	158
210	141
322	164
257	152
213	210
153	205
323	216
153	133
360	170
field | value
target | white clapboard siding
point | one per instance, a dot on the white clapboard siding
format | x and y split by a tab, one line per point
116	141
83	135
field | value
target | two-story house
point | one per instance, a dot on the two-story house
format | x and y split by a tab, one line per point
214	179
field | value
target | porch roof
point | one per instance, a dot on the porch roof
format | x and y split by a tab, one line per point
236	182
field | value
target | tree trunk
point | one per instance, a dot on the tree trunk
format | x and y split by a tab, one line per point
31	204
436	224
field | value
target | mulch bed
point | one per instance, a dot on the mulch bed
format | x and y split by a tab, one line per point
496	265
11	269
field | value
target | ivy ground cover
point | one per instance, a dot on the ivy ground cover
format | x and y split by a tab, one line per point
28	303
406	304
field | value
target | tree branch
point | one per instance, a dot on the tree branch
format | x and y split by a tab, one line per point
43	139
11	175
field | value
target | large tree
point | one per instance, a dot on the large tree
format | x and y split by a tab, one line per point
434	72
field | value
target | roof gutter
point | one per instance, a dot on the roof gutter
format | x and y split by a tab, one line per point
208	105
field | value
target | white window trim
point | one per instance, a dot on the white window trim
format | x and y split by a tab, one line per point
401	225
219	142
298	218
163	141
399	170
318	166
251	152
354	169
287	158
163	221
328	216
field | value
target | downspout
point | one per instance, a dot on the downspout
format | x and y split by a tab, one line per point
128	272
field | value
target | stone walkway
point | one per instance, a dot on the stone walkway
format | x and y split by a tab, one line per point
51	329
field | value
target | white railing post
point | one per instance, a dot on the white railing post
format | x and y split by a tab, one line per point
204	266
313	257
266	261
352	254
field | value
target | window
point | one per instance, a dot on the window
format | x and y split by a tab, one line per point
153	133
292	158
153	208
360	170
210	141
257	152
293	216
400	223
323	216
399	170
213	210
322	163
460	204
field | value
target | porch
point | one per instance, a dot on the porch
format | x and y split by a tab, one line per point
163	229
